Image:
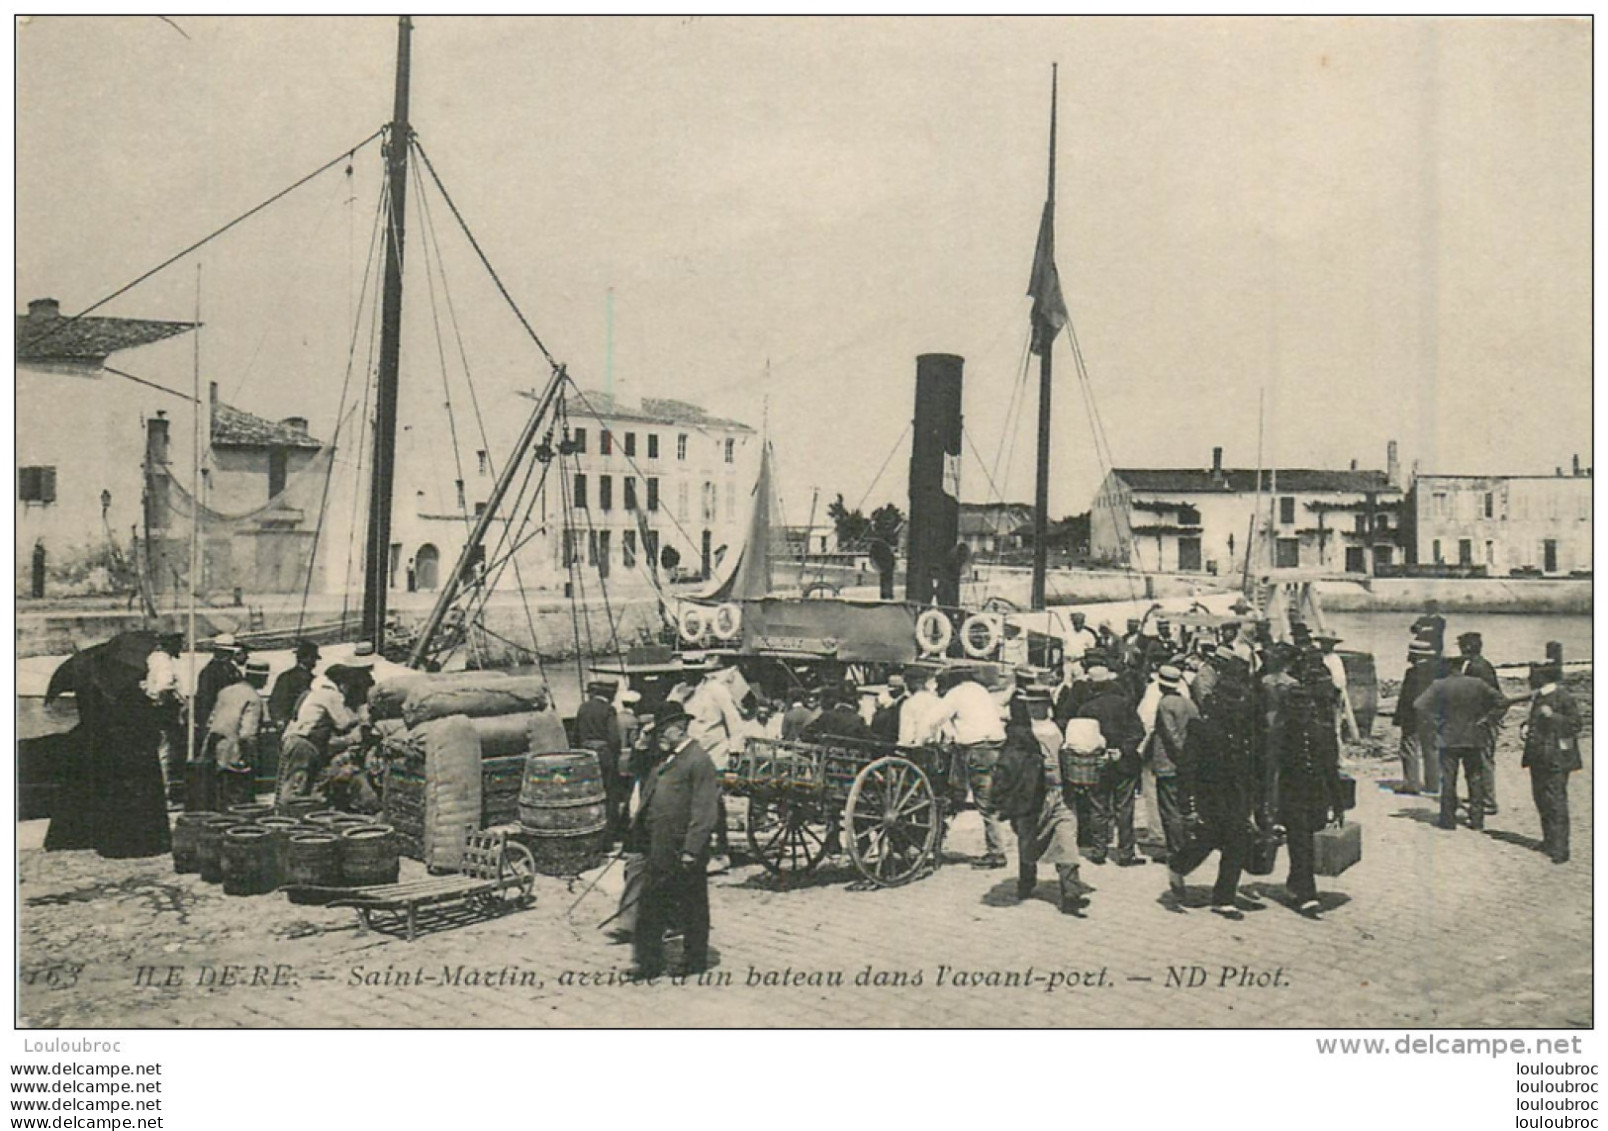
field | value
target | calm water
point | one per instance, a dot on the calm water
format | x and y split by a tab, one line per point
1509	637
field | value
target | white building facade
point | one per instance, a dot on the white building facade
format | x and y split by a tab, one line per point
1503	524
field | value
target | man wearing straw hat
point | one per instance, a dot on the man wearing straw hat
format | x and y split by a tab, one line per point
1418	773
1173	715
1111	799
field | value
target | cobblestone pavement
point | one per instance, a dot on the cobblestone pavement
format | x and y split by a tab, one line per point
1431	929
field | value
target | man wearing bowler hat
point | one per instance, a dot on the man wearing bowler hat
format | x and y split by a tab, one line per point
680	808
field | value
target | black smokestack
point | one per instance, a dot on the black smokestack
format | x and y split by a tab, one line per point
933	570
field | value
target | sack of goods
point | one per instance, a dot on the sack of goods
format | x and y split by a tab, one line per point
1083	736
387	696
499	695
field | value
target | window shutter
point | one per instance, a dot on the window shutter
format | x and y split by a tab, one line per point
47	484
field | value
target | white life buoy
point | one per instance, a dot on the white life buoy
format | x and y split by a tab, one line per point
991	626
933	632
694	624
727	621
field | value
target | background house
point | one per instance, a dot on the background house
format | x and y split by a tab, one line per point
1201	520
635	479
1502	524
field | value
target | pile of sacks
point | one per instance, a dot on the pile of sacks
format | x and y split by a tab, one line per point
455	747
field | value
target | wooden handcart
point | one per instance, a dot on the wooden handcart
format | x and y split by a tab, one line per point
883	805
497	874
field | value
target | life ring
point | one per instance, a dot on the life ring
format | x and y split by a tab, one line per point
727	621
694	624
992	626
933	632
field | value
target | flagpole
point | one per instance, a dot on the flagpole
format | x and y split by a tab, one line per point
1041	497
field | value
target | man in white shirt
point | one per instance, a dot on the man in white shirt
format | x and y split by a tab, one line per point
161	687
717	725
973	716
921	723
1080	641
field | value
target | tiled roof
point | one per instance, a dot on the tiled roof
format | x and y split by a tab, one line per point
54	338
994	518
655	410
235	428
1294	480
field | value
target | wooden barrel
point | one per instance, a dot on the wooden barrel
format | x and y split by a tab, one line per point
209	845
248	861
563	793
370	854
251	811
322	818
187	841
562	811
349	821
299	807
1362	688
313	859
282	829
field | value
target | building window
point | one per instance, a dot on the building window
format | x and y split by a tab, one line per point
1287	509
1362	524
710	502
653	445
650	547
1490	504
569	548
1436	548
653	494
591	547
630	444
278	467
1465	551
580	491
459	484
1490	552
605	443
628	548
1287	553
731	449
480	509
36	484
681	446
1441	509
630	493
579	439
485	462
605	491
1382	522
681	501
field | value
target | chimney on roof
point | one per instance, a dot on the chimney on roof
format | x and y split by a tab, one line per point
44	309
296	424
156	440
1577	465
1393	465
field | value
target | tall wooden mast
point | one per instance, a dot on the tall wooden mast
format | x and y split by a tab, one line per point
377	561
1041	494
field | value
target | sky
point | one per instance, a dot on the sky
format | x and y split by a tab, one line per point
1348	230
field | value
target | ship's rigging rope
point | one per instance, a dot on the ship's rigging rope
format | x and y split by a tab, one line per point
345	155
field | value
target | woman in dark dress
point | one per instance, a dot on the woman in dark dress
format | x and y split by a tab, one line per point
112	798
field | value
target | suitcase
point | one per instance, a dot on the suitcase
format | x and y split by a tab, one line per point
1348	792
1263	854
1335	850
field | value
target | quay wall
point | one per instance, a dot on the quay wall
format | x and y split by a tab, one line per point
1466	595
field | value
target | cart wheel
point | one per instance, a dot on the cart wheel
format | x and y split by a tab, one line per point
788	837
521	865
893	821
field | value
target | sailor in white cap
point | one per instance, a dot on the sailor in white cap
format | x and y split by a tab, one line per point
1173	715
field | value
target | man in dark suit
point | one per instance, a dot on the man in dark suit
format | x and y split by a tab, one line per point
1552	753
1453	710
885	723
597	729
1470	645
680	807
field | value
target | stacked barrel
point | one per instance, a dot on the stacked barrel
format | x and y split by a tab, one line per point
250	850
562	811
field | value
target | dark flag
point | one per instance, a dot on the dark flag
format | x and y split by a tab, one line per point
1044	288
